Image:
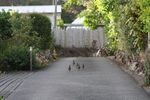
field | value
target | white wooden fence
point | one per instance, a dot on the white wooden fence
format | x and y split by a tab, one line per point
79	37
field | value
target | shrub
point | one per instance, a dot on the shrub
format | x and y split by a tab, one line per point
5	25
147	69
5	34
17	33
3	51
60	23
1	98
20	23
17	58
42	25
22	33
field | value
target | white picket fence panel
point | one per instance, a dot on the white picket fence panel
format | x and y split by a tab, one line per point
79	37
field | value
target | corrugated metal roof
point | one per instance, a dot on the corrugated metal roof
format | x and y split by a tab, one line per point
31	9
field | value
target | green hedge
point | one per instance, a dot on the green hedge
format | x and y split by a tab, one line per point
42	25
17	33
18	58
5	25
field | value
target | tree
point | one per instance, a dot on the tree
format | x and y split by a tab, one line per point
71	8
145	14
5	32
22	31
5	25
123	22
42	26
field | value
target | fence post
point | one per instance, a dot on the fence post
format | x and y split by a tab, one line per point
30	58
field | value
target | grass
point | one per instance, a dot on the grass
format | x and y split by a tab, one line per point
1	98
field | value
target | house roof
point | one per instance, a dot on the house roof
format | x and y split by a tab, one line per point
78	21
31	9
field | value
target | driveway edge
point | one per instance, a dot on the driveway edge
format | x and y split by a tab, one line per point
136	77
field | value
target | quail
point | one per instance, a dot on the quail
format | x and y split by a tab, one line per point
78	66
73	62
83	66
69	68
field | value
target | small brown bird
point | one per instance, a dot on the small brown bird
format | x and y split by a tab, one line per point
83	66
78	66
73	62
69	68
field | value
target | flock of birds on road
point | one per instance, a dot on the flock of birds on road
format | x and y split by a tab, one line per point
76	65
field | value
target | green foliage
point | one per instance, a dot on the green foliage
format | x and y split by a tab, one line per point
22	33
71	8
5	25
5	33
3	51
20	23
17	58
125	22
60	23
70	3
14	49
147	69
42	26
3	48
67	16
145	14
90	20
1	98
107	10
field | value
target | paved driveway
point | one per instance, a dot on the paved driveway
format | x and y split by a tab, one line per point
101	79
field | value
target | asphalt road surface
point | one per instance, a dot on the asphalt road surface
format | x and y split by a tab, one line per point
101	79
